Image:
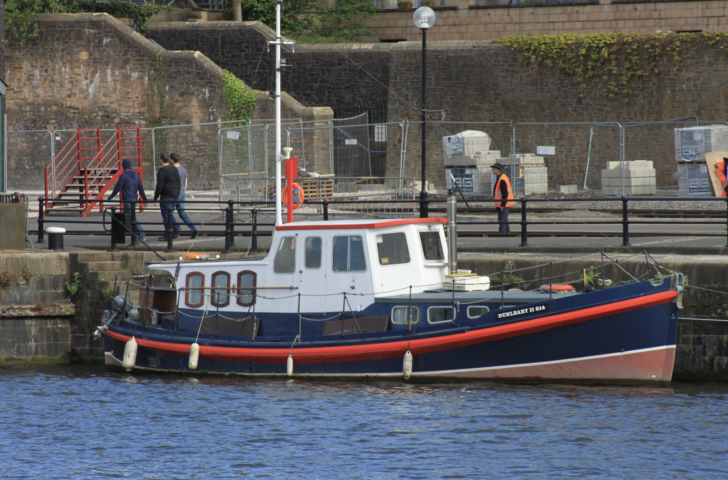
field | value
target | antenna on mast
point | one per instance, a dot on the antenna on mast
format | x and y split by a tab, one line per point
278	42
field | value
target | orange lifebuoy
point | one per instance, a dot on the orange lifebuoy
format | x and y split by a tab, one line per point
557	287
301	197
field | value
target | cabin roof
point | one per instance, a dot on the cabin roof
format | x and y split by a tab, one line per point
355	224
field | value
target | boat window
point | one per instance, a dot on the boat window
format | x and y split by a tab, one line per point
313	252
349	254
401	315
440	314
246	288
194	294
475	311
392	248
431	245
220	298
285	261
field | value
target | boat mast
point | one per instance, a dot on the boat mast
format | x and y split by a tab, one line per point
278	42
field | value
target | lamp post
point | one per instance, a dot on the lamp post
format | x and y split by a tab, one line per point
424	19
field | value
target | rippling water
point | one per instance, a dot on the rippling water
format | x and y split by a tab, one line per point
81	422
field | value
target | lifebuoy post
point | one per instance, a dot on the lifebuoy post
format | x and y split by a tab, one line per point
291	174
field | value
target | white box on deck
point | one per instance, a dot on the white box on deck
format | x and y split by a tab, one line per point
467	284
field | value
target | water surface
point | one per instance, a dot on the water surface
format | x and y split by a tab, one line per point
81	422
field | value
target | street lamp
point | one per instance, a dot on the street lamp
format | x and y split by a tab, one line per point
424	19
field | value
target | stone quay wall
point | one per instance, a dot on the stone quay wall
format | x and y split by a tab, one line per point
477	81
91	71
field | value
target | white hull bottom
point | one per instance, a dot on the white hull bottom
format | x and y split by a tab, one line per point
650	365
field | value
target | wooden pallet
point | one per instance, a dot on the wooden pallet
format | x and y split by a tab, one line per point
317	188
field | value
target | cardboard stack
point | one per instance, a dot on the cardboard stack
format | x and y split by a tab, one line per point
639	178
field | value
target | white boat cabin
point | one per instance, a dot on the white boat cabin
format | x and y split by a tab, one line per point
316	263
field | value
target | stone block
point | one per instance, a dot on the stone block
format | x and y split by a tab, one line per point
568	189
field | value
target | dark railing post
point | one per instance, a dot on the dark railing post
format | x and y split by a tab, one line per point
524	224
726	221
134	236
254	231
232	224
625	223
40	220
228	221
113	237
168	227
326	210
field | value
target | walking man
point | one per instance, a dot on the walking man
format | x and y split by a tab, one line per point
167	191
131	188
503	196
183	175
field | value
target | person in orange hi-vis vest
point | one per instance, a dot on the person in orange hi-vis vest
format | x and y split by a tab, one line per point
722	169
503	196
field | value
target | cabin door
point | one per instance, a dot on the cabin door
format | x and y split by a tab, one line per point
312	274
349	273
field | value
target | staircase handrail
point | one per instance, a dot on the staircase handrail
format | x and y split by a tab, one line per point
61	161
98	168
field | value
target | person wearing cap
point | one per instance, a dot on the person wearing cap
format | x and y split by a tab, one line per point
503	196
131	188
722	170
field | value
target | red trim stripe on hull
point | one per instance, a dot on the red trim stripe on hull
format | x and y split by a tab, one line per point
375	351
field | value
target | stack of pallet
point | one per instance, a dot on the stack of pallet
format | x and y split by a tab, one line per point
317	188
639	178
531	175
468	158
691	145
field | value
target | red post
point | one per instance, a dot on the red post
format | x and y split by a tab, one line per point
291	173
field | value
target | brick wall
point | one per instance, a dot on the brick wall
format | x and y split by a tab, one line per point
471	22
91	71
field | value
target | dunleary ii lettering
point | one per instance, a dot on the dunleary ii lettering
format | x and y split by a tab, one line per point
521	311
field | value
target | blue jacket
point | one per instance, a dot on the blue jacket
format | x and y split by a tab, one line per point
129	184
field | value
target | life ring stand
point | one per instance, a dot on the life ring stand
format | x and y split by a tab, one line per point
301	196
557	287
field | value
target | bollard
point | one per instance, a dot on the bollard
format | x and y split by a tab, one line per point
55	238
254	232
228	221
40	220
113	229
232	224
326	210
625	223
524	224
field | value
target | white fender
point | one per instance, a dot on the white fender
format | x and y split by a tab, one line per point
130	353
194	355
289	365
407	365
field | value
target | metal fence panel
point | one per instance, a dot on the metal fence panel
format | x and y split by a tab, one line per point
352	148
29	152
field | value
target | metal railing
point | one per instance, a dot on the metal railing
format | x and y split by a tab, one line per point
233	226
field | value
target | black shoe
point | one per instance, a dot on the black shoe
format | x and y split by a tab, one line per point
162	239
175	234
194	234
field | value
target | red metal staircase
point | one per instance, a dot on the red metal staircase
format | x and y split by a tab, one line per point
84	169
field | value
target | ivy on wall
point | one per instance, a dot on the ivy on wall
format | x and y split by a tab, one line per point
157	101
239	98
618	63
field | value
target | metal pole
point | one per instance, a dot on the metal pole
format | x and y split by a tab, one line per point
232	223
625	223
40	220
452	234
168	227
423	193
228	220
524	224
588	156
254	232
279	218
326	210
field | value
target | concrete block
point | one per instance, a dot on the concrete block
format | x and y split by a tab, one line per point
568	189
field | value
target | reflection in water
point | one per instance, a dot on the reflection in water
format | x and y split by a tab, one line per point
81	422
